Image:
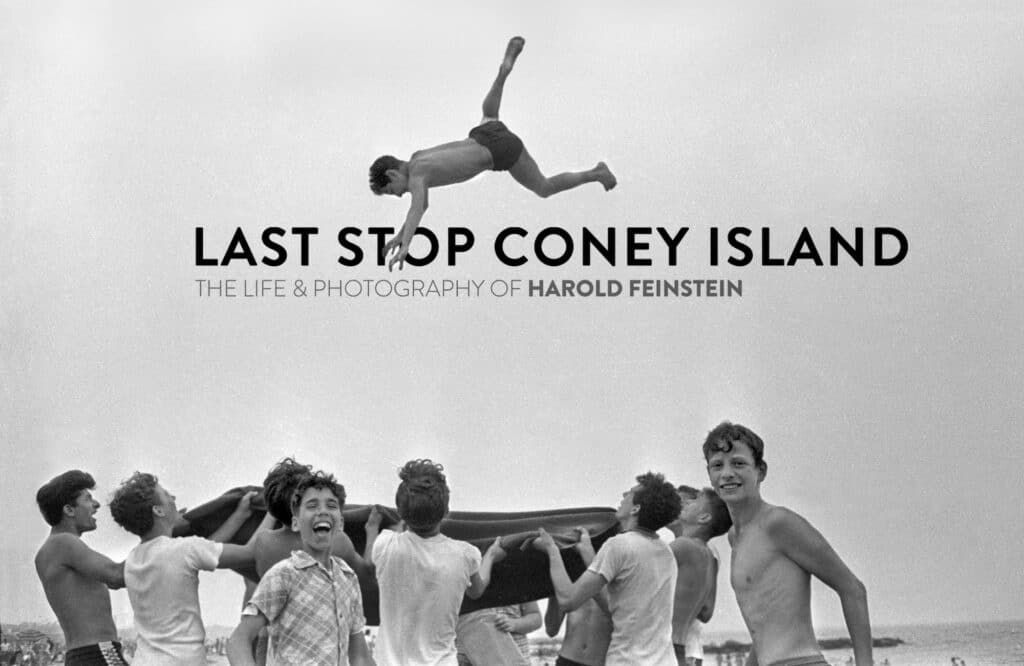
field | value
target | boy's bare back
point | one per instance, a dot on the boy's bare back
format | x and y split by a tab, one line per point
449	163
695	581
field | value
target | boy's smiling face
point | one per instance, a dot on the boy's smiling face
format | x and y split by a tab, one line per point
734	474
84	511
317	519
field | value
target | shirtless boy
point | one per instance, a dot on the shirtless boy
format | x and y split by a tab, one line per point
272	546
639	571
703	517
74	576
775	552
588	629
490	146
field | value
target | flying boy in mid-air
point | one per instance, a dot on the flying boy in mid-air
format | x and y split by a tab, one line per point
490	146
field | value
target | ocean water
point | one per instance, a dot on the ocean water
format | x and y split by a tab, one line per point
976	643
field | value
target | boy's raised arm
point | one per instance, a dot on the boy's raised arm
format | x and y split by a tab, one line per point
372	528
481	579
570	595
233	556
237	518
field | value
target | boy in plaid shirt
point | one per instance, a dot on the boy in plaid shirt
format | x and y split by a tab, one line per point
311	601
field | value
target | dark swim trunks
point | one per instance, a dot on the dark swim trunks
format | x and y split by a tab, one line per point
811	660
107	653
504	146
562	661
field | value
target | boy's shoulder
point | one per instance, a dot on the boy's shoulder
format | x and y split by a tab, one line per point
778	521
689	550
58	544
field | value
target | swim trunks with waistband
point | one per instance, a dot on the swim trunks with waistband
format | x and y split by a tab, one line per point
564	661
504	146
682	659
107	653
810	660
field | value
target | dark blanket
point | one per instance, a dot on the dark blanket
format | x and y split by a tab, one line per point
522	576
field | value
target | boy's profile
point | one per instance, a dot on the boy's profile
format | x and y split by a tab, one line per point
75	578
775	551
490	146
639	571
423	575
161	573
311	601
703	517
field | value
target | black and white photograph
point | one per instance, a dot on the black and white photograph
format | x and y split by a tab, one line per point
533	333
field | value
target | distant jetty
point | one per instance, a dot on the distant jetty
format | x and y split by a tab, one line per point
824	644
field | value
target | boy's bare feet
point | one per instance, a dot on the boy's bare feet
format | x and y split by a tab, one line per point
512	51
605	176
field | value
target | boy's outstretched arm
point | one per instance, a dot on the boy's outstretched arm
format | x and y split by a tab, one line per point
570	595
586	550
86	561
799	541
372	528
418	206
479	581
237	518
234	556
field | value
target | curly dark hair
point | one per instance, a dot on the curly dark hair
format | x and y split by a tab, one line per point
61	491
133	502
658	501
422	496
279	487
379	172
725	433
319	480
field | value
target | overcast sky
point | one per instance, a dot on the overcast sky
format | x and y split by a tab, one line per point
889	398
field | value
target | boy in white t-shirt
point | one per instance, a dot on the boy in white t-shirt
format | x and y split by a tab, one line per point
162	574
639	571
423	574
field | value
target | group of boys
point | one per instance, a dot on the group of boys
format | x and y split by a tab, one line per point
639	601
160	573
